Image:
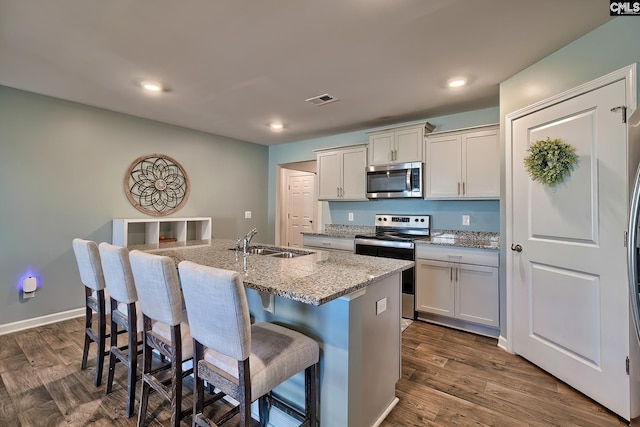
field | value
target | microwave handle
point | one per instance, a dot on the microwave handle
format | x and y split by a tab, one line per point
409	184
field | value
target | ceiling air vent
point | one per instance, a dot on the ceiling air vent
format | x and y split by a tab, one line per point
322	99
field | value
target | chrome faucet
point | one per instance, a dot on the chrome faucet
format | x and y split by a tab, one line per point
246	240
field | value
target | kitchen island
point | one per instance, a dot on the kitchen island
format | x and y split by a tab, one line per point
349	303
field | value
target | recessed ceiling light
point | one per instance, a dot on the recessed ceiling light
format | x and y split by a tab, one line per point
276	126
457	82
151	86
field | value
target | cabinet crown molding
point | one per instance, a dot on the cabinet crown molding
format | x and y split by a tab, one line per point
427	126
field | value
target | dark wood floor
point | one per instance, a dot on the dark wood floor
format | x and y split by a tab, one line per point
449	378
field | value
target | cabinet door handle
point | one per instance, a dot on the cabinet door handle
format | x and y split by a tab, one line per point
463	188
451	273
337	191
458	188
457	268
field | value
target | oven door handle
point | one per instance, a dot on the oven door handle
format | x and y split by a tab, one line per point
383	243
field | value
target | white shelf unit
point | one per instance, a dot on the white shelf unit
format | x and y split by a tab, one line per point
147	231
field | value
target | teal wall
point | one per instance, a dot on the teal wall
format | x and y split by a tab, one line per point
608	48
446	215
61	176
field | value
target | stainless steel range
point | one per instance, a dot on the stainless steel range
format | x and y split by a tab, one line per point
394	238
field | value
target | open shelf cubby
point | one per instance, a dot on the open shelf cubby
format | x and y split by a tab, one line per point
159	231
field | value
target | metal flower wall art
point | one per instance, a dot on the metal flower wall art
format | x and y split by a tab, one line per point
156	184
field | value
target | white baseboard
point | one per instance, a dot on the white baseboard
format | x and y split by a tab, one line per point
386	412
503	343
21	325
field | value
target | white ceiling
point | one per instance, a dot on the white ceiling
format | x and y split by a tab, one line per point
235	65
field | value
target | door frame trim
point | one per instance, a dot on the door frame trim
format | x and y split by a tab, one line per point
628	75
282	173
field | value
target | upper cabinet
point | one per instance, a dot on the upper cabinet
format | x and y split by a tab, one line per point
463	164
342	173
397	145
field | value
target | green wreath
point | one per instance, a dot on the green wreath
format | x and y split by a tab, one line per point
550	161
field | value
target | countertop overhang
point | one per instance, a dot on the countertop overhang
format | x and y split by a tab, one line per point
315	279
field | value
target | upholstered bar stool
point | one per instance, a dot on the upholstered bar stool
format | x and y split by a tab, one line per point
165	330
90	268
244	361
124	314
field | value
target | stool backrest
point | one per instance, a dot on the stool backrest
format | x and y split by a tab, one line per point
117	273
89	265
158	287
217	309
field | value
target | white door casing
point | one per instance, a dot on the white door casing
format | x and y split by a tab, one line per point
300	206
566	294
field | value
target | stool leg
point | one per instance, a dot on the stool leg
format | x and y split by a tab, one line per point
146	388
133	359
87	339
102	332
112	356
310	385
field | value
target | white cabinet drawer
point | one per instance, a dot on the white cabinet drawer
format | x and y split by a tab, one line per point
322	242
457	254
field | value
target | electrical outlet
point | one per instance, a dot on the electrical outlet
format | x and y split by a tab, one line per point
350	216
247	214
465	220
381	306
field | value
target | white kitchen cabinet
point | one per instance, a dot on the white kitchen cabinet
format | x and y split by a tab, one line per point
327	242
398	145
342	173
458	283
158	231
463	164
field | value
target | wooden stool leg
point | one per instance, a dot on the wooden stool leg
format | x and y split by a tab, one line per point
146	388
132	371
310	386
102	332
112	360
112	357
87	339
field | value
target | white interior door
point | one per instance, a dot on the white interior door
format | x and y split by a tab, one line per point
300	206
569	281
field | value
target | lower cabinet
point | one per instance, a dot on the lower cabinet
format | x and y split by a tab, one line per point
451	288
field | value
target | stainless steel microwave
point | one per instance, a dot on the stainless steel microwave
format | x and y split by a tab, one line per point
394	181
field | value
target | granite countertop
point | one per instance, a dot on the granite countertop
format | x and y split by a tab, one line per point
464	239
312	279
344	231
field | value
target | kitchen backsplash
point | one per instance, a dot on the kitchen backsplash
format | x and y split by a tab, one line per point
484	215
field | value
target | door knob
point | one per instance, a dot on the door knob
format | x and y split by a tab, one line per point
516	248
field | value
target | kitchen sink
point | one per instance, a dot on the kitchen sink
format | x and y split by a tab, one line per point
262	251
275	252
286	255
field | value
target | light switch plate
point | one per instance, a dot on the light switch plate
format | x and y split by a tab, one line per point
465	220
381	306
350	216
247	214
